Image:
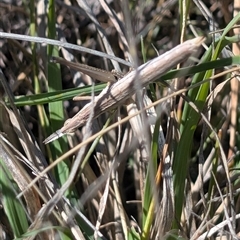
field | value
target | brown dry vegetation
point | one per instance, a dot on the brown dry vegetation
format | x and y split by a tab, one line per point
176	178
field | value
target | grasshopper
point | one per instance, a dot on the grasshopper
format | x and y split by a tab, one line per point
120	91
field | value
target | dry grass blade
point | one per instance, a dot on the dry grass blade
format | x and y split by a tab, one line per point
102	207
122	90
119	26
149	159
61	44
84	5
165	209
216	228
20	176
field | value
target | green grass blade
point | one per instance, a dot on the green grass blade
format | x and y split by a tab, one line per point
188	125
56	112
60	95
148	194
15	213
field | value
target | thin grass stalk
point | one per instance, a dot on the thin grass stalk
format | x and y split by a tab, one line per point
151	207
184	6
92	148
148	194
56	112
43	120
211	187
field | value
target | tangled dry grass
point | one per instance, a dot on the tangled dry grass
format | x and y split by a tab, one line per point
170	172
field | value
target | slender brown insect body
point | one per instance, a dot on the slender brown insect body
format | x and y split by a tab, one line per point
117	93
97	73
